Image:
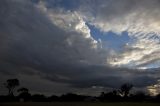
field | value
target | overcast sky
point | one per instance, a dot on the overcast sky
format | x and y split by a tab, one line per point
80	46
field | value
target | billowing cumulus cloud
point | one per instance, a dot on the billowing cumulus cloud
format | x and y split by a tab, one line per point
53	46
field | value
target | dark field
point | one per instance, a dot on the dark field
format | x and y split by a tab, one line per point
79	104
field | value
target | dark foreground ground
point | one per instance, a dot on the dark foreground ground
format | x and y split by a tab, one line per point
79	104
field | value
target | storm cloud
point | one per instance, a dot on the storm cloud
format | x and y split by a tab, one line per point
49	47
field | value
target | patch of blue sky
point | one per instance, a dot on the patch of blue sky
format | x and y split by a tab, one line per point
110	39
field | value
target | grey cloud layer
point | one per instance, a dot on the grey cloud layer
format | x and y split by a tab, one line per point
35	40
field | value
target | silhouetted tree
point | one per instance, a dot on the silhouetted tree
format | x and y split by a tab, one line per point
38	98
157	98
110	96
138	96
10	85
72	97
24	94
125	89
22	90
53	98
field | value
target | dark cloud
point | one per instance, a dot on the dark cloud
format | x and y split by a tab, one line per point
36	50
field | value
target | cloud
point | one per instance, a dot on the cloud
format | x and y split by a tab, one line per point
140	19
54	45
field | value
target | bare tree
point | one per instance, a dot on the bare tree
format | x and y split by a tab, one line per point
10	85
125	89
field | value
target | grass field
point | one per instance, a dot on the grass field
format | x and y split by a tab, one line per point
79	104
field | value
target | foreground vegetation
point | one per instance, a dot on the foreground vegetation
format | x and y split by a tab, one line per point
116	96
79	104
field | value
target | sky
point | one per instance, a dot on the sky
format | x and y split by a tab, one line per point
80	46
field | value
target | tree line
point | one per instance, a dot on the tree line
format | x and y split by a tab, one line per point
119	95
